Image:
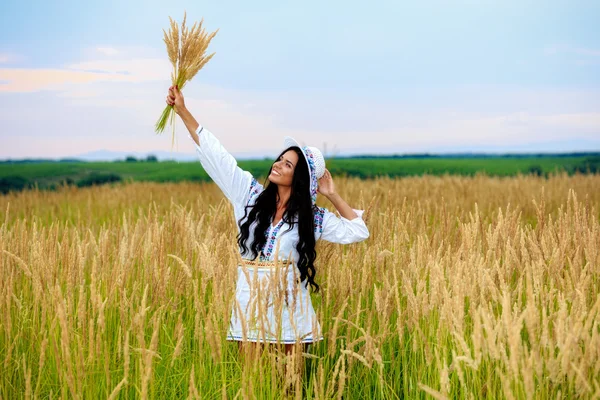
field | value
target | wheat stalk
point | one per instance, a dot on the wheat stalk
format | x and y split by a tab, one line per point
186	49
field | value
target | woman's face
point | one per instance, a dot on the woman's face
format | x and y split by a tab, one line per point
282	172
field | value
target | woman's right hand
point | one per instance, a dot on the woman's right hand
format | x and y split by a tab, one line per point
175	99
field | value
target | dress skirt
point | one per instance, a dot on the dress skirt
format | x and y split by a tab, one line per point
271	306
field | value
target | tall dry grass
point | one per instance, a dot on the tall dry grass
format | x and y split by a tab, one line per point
468	288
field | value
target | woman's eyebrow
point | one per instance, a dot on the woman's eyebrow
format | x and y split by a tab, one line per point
288	161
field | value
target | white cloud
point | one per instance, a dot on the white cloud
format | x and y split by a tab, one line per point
585	63
113	104
580	56
107	51
78	92
587	52
138	70
131	66
120	116
6	58
19	80
551	50
580	122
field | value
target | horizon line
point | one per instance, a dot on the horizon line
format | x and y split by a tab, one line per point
465	154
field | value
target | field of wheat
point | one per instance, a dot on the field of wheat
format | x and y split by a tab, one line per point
469	287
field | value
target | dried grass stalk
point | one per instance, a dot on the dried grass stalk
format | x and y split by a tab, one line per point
187	52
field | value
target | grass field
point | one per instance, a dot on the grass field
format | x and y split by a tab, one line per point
46	175
469	288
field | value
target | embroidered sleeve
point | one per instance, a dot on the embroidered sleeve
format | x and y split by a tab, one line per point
255	189
235	183
319	214
341	230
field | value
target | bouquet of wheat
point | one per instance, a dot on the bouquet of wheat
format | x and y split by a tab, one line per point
187	53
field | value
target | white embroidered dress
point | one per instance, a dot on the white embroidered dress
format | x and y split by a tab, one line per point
270	305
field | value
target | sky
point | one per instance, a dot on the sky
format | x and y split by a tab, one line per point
350	77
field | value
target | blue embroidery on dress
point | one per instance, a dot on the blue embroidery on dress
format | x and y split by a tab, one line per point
319	214
271	240
254	191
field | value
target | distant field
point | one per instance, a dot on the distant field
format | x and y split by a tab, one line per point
49	175
493	166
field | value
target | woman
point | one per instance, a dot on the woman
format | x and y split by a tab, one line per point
278	226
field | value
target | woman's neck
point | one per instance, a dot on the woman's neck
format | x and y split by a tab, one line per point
283	196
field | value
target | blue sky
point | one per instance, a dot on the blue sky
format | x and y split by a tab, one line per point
354	77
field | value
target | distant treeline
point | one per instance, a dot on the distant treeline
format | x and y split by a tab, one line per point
24	174
150	158
153	158
481	155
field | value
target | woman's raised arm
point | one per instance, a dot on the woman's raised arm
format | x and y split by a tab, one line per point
350	227
236	184
327	189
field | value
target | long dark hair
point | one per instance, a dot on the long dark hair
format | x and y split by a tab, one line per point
299	211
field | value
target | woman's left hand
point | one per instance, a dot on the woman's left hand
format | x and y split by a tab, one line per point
326	186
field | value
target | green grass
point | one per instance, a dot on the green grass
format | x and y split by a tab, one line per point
493	166
48	175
